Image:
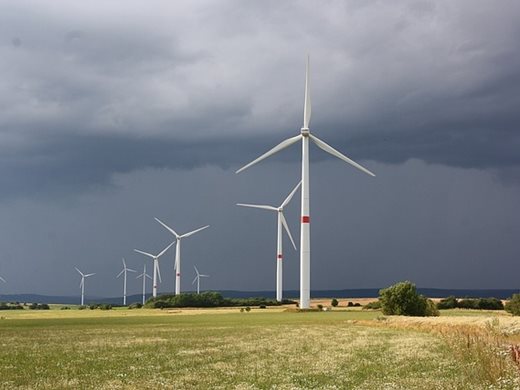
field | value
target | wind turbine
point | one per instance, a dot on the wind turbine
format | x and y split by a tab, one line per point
144	275
177	265
304	136
123	272
197	278
156	270
2	279
82	284
279	251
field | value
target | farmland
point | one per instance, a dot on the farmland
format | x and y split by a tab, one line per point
264	348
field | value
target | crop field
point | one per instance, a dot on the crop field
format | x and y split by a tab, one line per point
261	349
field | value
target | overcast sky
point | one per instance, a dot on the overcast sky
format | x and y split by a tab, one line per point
113	113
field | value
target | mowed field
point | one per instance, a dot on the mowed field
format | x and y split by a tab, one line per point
261	349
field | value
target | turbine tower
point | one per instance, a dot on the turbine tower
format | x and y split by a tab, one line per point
156	270
123	272
197	279
304	136
82	284
279	249
177	265
144	275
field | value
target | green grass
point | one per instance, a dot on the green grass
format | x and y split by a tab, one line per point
264	349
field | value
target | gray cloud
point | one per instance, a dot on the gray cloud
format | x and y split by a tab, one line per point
115	112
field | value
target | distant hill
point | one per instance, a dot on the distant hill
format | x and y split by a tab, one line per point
347	293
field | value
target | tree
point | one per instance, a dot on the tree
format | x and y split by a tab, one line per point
402	299
334	302
513	305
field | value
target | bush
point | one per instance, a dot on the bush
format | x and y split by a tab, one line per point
447	303
402	299
248	309
10	306
262	307
357	304
513	305
39	306
375	305
334	302
64	308
82	307
320	306
135	305
350	304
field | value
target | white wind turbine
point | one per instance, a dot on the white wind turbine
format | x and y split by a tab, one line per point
177	264
279	249
82	284
2	279
144	275
123	272
304	136
197	279
156	270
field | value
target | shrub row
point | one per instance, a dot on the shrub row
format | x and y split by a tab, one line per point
10	306
208	299
470	303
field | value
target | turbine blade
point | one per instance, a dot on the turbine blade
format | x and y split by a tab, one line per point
167	227
307	103
194	280
124	262
87	275
204	276
144	253
284	223
131	270
2	279
196	270
148	276
258	206
329	149
120	273
277	148
165	249
194	231
288	199
81	273
139	276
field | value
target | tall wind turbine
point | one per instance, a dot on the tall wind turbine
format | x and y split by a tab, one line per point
279	251
144	275
123	272
304	136
197	279
82	284
177	265
156	270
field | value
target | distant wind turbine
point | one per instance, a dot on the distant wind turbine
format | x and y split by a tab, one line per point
177	265
197	279
156	270
304	136
279	251
144	275
82	284
2	279
123	272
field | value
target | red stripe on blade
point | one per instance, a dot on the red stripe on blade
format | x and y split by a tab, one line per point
306	219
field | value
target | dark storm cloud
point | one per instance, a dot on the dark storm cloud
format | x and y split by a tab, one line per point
115	112
89	91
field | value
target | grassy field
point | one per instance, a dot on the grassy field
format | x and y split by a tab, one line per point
262	349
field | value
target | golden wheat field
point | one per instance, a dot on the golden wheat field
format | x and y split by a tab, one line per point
260	349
